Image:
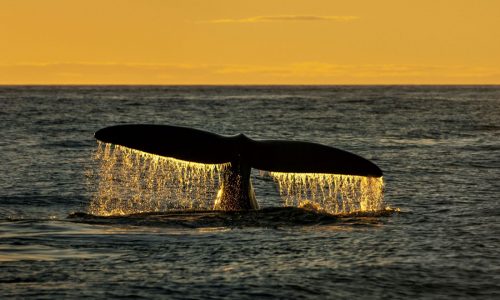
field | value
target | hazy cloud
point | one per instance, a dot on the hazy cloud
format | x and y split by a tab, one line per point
368	71
287	18
296	73
101	73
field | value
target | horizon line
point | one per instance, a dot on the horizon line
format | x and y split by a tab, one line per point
243	84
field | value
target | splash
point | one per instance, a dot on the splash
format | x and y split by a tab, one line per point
332	193
131	181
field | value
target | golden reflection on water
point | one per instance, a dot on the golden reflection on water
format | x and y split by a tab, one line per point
10	253
131	181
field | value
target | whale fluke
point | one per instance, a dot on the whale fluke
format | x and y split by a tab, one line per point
269	155
241	152
172	141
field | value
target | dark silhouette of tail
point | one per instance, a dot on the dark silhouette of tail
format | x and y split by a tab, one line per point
242	152
269	155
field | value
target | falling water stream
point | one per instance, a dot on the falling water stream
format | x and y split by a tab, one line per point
131	181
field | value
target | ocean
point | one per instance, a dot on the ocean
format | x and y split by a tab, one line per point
439	148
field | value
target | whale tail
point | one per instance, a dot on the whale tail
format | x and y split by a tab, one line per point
241	152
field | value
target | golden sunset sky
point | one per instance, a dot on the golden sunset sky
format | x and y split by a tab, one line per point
249	42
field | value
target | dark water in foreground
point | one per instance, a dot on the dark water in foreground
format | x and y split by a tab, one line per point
438	146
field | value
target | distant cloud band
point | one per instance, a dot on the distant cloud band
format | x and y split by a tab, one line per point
295	73
287	18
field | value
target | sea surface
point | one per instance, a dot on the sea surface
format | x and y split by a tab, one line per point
439	148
